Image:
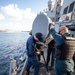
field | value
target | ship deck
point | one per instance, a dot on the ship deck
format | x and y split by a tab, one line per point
43	71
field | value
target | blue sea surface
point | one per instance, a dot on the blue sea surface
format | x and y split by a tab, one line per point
11	44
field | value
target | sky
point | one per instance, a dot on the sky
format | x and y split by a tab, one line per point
19	15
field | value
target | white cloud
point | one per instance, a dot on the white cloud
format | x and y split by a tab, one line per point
18	19
1	17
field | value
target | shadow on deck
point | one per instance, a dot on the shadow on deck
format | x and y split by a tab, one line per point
43	71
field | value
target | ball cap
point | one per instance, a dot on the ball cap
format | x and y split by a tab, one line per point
39	36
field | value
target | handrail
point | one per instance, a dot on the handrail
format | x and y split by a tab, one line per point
24	66
14	67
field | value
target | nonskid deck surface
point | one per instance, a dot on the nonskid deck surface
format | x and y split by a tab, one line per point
43	71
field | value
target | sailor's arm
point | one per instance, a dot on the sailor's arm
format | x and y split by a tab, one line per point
57	37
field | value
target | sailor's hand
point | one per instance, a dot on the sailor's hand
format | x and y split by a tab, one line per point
51	25
38	52
45	46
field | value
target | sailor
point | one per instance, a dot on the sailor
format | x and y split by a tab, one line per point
67	18
30	32
51	54
32	56
64	64
37	47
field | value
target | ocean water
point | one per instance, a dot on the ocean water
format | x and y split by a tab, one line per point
11	44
